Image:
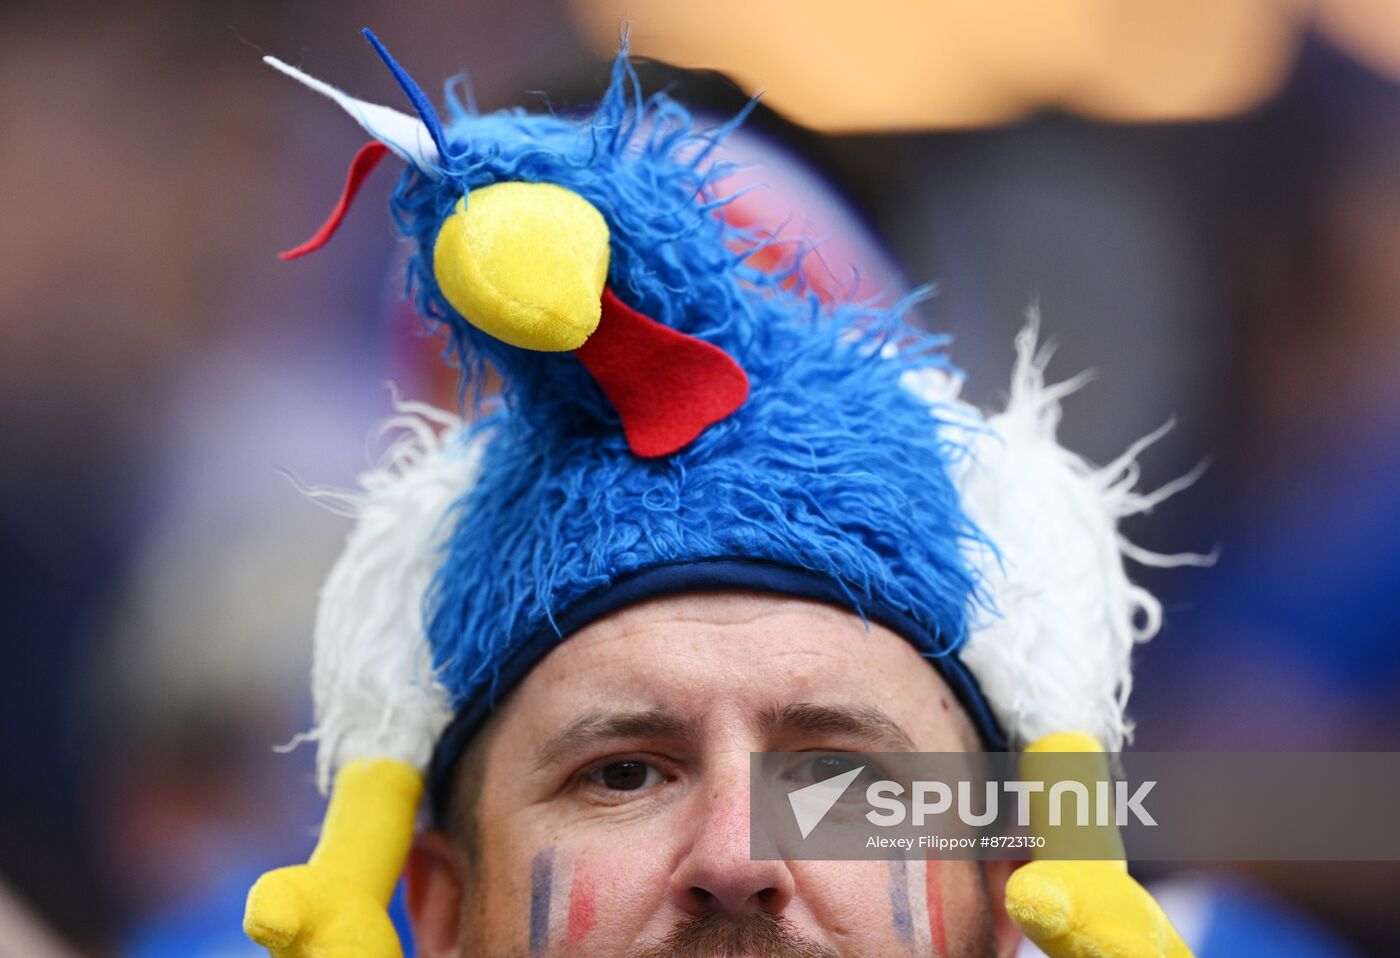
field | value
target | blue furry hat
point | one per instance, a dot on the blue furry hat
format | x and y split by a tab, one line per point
845	469
829	481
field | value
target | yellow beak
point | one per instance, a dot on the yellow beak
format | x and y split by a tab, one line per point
525	263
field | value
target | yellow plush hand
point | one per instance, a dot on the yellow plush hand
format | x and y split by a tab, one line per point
304	912
1087	909
336	905
1073	909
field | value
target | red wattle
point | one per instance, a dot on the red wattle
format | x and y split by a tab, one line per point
360	167
666	386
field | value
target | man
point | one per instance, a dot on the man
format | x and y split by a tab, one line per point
710	515
605	806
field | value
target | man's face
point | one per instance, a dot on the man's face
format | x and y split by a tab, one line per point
611	810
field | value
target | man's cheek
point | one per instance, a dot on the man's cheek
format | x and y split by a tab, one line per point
855	905
584	901
895	907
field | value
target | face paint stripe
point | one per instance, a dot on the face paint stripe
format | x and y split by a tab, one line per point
560	889
581	906
917	897
899	903
933	892
541	879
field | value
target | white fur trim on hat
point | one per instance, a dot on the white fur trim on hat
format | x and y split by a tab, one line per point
372	676
1055	655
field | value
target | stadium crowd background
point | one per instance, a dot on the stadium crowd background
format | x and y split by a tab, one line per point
1205	206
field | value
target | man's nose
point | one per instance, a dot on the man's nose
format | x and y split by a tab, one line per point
717	874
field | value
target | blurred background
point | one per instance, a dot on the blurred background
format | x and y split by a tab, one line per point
1202	198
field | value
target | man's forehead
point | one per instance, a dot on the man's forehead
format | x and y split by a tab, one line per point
697	646
720	608
677	668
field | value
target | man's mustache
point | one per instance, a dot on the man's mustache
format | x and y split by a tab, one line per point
730	936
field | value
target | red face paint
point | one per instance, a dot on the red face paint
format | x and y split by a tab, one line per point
933	893
581	905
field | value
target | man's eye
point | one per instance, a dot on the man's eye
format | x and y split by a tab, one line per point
625	776
818	768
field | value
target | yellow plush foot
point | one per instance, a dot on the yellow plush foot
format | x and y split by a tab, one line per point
1085	909
336	905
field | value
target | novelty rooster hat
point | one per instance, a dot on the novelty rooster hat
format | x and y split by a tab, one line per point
674	419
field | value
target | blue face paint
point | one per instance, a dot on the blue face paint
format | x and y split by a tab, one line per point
541	884
899	903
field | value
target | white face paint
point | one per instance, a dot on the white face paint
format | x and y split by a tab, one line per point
405	135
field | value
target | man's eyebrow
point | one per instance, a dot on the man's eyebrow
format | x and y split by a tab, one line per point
865	724
600	728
